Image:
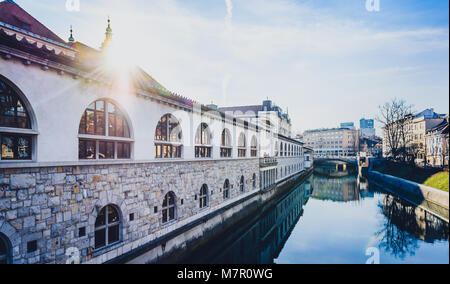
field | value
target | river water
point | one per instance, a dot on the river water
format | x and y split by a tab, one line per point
338	220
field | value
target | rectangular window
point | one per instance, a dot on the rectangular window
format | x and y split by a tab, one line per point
202	152
242	153
87	150
123	151
225	152
15	147
106	150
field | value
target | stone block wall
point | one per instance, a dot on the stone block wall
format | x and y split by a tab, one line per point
49	205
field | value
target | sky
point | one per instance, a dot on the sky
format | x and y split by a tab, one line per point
325	61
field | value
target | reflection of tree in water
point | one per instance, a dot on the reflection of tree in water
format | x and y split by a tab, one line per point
405	225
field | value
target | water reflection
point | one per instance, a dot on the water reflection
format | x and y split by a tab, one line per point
405	225
341	216
262	243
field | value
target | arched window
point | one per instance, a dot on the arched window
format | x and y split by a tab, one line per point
204	197
226	145
242	145
203	145
16	136
168	138
5	250
242	184
254	147
107	227
226	189
254	181
103	118
169	208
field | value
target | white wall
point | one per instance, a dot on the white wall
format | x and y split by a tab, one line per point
59	101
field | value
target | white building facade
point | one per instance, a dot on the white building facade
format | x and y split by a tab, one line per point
91	165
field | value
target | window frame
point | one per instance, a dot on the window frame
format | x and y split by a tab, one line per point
226	190
242	184
226	149
28	132
106	227
165	146
166	208
242	149
204	197
203	150
119	141
6	257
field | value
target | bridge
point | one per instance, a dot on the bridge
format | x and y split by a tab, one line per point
337	160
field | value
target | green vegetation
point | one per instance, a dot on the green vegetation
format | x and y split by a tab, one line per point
430	177
439	180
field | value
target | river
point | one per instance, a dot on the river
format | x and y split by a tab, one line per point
336	220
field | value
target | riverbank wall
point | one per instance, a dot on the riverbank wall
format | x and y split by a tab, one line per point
416	192
193	240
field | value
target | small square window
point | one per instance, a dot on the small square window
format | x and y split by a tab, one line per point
82	232
131	217
32	246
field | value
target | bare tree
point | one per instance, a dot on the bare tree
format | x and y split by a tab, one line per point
395	116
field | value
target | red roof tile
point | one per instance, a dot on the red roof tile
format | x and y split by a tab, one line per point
14	15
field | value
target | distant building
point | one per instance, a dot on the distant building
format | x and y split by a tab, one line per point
371	146
417	126
267	115
335	142
367	127
437	145
348	125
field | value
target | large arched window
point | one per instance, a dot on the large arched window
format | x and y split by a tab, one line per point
104	133
242	184
242	145
204	197
226	144
107	227
16	136
226	189
5	250
203	145
254	147
168	138
169	208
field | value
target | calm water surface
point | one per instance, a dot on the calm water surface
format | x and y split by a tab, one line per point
336	220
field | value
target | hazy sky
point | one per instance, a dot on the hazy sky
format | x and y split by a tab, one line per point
328	61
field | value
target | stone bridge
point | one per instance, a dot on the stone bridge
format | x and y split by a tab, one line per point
337	160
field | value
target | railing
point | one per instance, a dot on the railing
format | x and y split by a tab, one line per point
268	162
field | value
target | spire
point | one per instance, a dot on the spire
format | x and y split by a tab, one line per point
108	34
71	39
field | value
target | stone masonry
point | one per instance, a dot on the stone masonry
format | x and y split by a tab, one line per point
50	205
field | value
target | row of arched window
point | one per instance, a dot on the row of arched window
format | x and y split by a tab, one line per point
104	133
109	221
288	150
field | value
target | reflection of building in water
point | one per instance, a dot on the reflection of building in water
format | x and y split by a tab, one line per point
405	223
263	242
340	189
